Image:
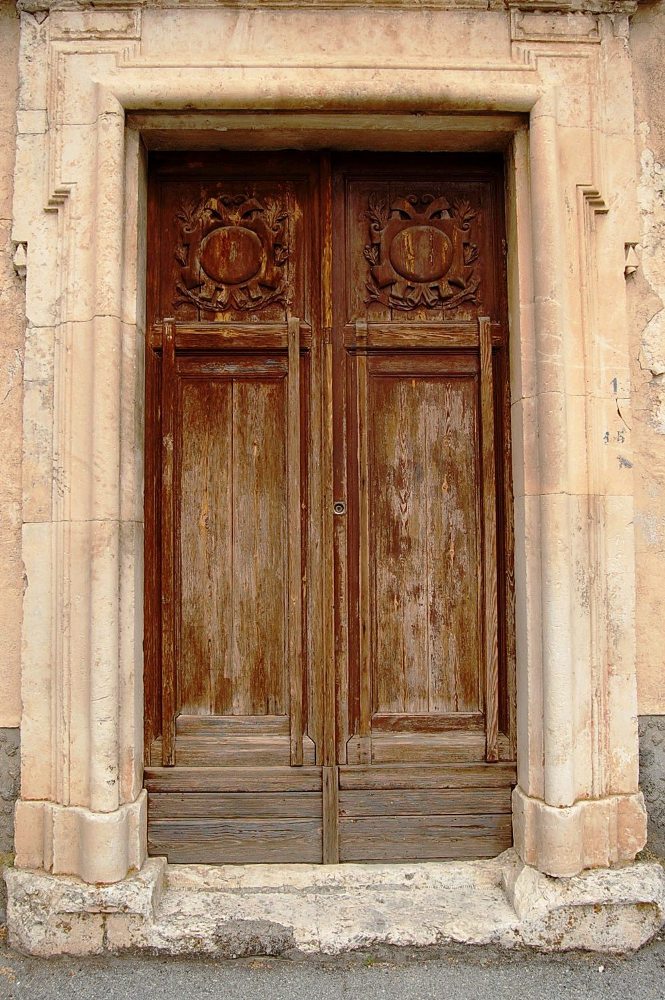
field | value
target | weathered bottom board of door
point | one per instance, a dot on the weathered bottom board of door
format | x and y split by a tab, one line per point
218	815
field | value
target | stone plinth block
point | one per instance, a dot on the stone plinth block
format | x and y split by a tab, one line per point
50	915
593	833
71	840
608	909
235	911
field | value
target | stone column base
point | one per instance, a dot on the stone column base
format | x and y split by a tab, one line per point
71	840
235	911
593	833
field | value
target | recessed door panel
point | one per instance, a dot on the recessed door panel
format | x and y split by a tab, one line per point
424	540
233	547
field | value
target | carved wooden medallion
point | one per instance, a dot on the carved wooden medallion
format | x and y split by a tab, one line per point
420	252
232	251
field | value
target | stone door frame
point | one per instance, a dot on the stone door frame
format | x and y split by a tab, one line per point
557	97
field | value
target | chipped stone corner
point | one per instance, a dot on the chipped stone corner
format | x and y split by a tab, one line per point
611	910
310	910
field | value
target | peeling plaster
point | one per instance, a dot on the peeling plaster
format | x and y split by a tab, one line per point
651	202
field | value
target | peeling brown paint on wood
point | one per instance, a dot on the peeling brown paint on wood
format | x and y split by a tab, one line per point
304	464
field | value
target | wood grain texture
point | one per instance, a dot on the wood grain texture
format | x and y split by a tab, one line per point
408	776
289	638
168	534
216	726
430	336
329	444
424	487
205	678
294	547
234	751
233	779
365	558
330	815
260	588
234	841
432	748
427	723
411	838
231	336
234	805
232	491
424	802
491	651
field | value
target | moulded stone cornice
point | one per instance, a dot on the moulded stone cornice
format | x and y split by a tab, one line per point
547	6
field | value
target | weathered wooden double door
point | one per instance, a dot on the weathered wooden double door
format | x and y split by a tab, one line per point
329	652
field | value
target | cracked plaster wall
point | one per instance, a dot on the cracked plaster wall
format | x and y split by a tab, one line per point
12	325
647	297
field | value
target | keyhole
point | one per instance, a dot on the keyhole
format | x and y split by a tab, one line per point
339	507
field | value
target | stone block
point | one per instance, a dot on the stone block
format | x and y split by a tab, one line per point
607	910
48	915
237	911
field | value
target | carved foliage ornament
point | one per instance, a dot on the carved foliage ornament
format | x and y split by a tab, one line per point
420	253
232	251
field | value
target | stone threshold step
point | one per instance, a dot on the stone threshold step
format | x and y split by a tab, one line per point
234	911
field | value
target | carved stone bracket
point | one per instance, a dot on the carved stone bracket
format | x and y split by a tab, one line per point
632	260
420	253
20	259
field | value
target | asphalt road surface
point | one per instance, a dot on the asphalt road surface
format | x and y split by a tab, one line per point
453	974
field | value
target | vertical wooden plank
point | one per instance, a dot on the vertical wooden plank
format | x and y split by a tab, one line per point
330	777
489	539
507	598
260	564
398	544
206	583
365	722
452	430
152	669
294	541
312	448
168	544
326	458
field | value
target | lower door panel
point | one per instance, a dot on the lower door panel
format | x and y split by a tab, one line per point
231	815
424	813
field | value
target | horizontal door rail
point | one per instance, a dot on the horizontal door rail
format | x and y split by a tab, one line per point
419	335
231	336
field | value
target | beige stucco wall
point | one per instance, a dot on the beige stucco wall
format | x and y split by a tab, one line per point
647	297
11	385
